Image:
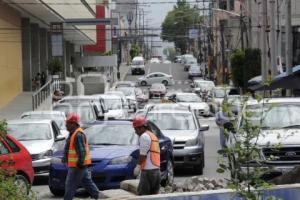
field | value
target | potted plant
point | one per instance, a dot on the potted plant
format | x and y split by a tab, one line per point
55	66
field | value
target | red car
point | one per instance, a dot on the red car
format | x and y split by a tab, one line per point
14	157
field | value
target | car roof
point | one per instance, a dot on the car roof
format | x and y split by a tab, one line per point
114	92
186	93
168	107
159	73
138	58
157	84
30	121
73	104
109	96
46	112
281	100
85	97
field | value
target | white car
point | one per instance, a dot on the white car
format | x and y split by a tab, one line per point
130	93
156	77
138	65
58	116
40	137
113	106
278	140
121	95
154	60
200	86
193	101
157	90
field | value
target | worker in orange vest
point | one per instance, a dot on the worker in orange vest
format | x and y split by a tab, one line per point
77	157
149	158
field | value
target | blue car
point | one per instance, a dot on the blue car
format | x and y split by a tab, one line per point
114	153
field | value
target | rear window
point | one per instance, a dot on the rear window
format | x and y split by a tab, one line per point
12	145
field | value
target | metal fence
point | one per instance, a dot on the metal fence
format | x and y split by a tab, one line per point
44	92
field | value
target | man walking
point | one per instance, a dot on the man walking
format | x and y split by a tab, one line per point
77	157
149	159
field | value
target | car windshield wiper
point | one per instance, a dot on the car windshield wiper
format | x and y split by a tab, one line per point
292	126
265	127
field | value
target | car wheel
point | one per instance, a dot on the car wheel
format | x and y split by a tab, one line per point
170	174
165	82
143	83
57	192
22	184
198	169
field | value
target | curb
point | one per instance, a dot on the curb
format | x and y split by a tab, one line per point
125	74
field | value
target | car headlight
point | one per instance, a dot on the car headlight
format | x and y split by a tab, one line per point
120	160
192	142
44	155
56	160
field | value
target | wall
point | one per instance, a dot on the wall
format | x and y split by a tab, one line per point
10	54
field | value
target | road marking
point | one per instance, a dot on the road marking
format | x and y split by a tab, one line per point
170	70
149	69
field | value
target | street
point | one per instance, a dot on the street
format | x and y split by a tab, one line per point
40	185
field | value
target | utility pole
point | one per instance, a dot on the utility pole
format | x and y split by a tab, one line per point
273	39
223	51
288	40
136	20
242	27
250	21
264	68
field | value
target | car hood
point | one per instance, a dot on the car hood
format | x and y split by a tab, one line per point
279	136
142	78
180	135
100	152
37	146
196	106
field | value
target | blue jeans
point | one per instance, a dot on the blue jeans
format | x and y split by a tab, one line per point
74	178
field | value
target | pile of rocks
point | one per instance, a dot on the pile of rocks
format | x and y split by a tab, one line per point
195	183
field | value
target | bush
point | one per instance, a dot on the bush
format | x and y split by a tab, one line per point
134	51
55	66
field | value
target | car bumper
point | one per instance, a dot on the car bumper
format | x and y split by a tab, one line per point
188	156
41	167
137	70
109	177
272	168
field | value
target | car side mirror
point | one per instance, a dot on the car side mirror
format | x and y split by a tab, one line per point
229	126
204	127
60	138
192	85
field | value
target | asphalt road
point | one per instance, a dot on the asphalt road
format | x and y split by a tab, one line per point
182	84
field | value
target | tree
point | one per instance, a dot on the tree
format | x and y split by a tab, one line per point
170	52
134	51
245	65
55	66
177	23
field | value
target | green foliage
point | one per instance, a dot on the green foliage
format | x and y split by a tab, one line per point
243	155
170	52
108	53
134	51
55	66
8	188
245	65
177	23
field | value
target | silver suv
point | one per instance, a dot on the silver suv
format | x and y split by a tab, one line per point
180	124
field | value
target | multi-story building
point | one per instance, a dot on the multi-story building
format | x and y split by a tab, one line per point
25	40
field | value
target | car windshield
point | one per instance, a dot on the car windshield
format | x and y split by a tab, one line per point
207	85
275	116
59	120
111	135
173	121
137	62
128	91
85	112
219	93
157	87
112	104
188	98
32	131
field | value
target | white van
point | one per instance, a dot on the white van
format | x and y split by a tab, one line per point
138	65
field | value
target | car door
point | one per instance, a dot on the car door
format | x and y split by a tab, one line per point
57	144
164	144
151	79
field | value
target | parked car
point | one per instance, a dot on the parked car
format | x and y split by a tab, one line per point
40	137
167	62
58	116
157	90
194	71
193	101
114	107
125	103
86	99
178	59
130	93
219	93
87	111
278	141
13	155
156	77
114	154
203	88
182	127
141	98
137	65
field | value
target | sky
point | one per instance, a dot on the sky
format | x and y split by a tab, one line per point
157	14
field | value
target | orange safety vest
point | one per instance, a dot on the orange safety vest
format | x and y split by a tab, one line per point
154	151
72	155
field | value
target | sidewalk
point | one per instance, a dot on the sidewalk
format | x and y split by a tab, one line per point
123	71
